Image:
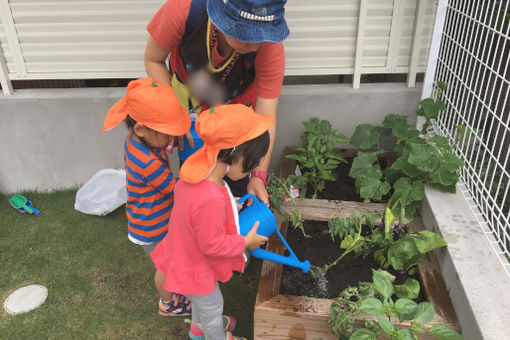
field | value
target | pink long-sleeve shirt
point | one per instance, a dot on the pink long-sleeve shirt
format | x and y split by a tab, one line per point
202	245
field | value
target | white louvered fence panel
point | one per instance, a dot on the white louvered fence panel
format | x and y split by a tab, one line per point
78	39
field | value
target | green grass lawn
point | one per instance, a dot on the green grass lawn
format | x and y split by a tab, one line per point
100	285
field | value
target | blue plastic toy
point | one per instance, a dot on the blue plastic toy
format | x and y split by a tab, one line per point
187	151
23	205
258	211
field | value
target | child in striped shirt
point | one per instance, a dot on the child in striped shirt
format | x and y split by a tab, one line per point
153	115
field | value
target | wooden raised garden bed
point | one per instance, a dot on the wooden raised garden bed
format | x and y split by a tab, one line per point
279	316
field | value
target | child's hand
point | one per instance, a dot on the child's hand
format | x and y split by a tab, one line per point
252	239
239	206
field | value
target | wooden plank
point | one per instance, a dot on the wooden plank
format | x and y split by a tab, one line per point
433	283
271	272
358	60
324	210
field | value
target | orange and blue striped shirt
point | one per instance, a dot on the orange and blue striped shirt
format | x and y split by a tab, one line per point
150	191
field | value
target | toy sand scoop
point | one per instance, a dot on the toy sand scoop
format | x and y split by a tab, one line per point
258	211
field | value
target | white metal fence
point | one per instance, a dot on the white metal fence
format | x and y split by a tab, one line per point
473	54
83	39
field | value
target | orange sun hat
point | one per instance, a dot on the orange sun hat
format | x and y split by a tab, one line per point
153	104
222	127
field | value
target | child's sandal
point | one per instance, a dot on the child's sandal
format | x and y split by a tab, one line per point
196	333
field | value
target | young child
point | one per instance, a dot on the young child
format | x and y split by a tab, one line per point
153	115
203	245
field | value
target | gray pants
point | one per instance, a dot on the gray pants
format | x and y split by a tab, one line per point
207	313
148	248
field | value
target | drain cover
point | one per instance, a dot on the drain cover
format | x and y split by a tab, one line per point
25	299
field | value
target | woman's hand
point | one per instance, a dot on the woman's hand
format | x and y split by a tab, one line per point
254	240
189	137
256	187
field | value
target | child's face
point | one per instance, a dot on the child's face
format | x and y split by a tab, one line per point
152	137
236	172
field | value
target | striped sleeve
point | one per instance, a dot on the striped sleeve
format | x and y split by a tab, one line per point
159	176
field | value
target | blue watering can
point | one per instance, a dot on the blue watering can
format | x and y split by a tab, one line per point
187	150
258	211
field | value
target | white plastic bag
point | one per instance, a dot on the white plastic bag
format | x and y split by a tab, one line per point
103	193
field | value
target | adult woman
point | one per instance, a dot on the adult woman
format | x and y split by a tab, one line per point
238	43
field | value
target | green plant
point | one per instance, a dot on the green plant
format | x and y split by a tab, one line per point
316	157
389	244
419	161
348	229
375	299
280	190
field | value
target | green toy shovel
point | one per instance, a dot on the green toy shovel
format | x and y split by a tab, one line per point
20	202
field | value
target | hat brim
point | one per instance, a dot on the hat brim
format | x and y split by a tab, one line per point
173	128
245	30
200	164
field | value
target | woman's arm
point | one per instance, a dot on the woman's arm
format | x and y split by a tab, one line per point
155	61
256	186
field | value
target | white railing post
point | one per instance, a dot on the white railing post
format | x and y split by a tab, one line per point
435	45
12	38
395	33
4	75
416	43
360	44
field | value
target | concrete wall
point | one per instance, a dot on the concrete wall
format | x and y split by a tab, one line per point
477	283
52	138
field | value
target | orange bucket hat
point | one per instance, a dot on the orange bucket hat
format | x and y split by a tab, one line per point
222	127
152	104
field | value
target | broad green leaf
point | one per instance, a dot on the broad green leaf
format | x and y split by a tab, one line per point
423	156
392	175
406	309
410	289
425	312
382	284
386	325
390	276
370	185
426	241
439	140
444	176
363	334
452	162
380	257
372	306
365	136
443	332
429	107
442	85
398	124
361	163
404	254
408	191
407	168
405	334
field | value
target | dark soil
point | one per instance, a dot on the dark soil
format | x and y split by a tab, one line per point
343	189
319	249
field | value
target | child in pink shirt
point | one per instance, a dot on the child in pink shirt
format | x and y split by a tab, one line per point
203	244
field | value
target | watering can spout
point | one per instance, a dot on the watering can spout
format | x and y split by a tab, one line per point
258	211
286	260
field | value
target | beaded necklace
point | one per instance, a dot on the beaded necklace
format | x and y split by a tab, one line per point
226	68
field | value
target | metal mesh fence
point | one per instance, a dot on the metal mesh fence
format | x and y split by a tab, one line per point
473	59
